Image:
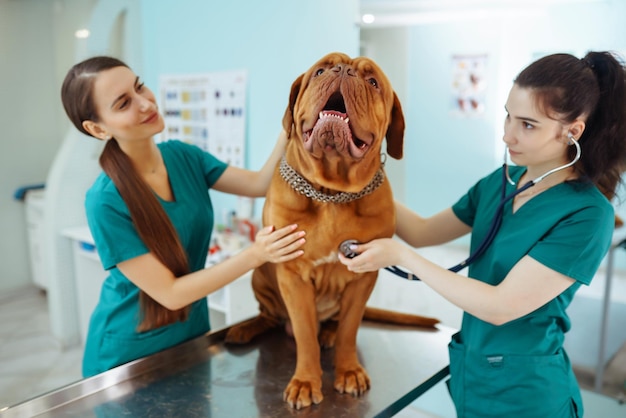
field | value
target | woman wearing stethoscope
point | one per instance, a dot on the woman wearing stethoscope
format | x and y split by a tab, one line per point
565	117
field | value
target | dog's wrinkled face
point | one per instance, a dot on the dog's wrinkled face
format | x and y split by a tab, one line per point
341	110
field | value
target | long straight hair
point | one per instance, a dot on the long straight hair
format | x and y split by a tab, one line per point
153	225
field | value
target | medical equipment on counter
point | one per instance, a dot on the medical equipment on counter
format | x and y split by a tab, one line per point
345	249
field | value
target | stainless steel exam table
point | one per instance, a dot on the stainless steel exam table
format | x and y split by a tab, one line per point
207	378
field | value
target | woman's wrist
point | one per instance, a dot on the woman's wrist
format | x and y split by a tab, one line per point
403	254
251	256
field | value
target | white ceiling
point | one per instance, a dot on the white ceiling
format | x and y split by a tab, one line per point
411	12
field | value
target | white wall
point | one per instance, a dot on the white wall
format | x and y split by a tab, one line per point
389	48
36	40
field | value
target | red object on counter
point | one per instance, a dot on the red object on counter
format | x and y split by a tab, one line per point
251	229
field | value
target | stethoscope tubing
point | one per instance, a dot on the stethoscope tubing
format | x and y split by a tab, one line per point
489	237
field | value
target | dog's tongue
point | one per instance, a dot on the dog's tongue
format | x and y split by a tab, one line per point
332	130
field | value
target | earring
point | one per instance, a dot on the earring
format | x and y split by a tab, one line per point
107	137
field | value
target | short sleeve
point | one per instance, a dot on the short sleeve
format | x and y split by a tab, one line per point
212	168
465	209
577	245
485	190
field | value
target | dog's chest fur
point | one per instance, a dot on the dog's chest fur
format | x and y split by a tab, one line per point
326	226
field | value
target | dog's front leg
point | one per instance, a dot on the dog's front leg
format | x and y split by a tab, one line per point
350	376
305	386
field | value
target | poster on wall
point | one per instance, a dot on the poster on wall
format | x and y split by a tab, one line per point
468	84
207	110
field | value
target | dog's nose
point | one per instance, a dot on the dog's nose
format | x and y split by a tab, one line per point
344	68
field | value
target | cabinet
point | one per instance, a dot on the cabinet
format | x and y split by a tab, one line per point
233	303
88	274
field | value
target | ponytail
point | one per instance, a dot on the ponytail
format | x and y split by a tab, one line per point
605	161
154	228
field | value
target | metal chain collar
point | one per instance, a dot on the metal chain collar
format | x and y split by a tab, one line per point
302	186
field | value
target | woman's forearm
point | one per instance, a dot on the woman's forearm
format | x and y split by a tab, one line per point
473	296
191	287
154	278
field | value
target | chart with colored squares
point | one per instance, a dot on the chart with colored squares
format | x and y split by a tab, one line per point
207	110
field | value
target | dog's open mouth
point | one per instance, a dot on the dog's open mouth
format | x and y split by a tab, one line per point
332	130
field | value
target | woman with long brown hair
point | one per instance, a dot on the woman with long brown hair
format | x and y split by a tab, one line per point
151	218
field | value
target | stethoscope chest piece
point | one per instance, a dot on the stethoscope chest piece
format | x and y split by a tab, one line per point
344	247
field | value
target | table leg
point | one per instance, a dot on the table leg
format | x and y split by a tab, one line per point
606	302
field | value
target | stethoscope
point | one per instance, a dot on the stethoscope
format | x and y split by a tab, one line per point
495	224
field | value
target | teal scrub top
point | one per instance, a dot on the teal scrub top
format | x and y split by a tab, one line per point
112	338
520	369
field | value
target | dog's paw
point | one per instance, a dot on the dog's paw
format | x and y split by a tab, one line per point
328	334
301	394
354	382
238	335
244	332
327	338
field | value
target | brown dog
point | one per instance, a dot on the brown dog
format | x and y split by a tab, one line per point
331	183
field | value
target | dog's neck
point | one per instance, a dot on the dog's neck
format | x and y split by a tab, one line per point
302	186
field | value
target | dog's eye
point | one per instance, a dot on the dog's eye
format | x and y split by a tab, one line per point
359	144
319	72
373	82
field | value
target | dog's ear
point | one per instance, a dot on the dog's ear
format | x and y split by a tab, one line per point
293	96
395	131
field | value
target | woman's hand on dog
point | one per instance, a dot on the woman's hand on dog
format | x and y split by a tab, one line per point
278	245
